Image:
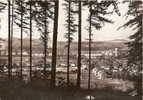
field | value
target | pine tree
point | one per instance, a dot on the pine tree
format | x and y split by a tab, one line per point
43	13
20	20
96	19
9	39
21	64
71	29
30	29
12	27
135	45
54	48
79	42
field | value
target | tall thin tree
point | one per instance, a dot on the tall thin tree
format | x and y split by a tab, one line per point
30	29
79	42
45	38
9	39
12	18
71	29
69	42
97	12
135	45
54	48
19	19
21	56
43	14
90	34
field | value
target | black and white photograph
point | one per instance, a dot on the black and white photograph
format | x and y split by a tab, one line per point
71	49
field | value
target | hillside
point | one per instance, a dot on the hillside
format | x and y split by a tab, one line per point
97	45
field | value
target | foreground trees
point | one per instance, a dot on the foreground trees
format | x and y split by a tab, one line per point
30	30
79	42
97	18
9	38
54	48
12	30
19	14
43	14
20	10
71	29
135	45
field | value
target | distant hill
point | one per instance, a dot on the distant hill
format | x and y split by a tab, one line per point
119	40
97	45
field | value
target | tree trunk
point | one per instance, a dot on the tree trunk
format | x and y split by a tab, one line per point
89	76
54	48
79	46
9	39
21	40
30	40
69	42
45	42
12	28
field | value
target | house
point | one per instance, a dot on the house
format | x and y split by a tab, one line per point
99	73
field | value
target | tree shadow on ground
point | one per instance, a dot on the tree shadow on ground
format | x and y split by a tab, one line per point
18	90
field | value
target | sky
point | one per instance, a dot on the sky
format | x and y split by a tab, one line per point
108	32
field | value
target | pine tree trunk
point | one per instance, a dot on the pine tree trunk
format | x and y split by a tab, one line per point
79	46
45	42
54	48
30	40
12	29
69	42
9	39
21	40
89	74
